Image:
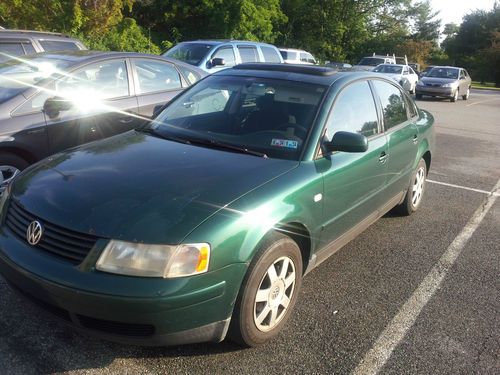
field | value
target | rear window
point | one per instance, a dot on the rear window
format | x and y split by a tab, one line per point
270	54
371	61
57	45
248	54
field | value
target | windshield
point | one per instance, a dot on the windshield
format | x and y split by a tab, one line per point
18	75
451	73
390	69
371	61
272	117
191	53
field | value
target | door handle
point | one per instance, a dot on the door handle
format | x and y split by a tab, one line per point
383	157
415	139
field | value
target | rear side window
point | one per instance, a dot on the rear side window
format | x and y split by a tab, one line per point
354	111
156	76
270	54
393	104
57	45
227	54
248	54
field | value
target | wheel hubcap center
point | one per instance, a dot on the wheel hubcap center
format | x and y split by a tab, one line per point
276	293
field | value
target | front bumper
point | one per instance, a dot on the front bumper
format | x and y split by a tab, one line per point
446	92
141	311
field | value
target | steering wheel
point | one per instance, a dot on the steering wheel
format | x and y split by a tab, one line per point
300	128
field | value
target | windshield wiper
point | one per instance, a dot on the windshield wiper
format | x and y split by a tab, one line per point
155	133
226	146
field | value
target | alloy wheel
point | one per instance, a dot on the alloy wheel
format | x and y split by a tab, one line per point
274	294
418	187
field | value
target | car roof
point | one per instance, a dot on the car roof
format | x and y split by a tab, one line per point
75	57
216	42
321	75
292	49
24	33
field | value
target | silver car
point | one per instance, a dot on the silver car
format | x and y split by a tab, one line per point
444	81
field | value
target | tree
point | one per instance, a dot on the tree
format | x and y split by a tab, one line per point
426	25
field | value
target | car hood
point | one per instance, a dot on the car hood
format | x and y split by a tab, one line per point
137	187
435	81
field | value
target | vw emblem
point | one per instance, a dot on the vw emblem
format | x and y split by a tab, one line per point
34	233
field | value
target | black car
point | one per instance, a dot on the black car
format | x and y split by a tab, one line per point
51	102
27	42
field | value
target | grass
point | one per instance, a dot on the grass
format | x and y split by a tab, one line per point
486	85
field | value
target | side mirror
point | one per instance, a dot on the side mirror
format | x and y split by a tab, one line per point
217	61
53	106
347	142
461	78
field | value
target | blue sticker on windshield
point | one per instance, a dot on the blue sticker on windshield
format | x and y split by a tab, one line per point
284	143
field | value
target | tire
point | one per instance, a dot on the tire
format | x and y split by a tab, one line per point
467	94
418	96
412	201
252	321
454	98
10	166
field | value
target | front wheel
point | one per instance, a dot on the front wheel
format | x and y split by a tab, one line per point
268	292
415	191
10	166
467	94
454	98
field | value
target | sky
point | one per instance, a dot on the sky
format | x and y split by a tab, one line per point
454	10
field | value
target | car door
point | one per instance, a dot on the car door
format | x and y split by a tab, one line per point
100	104
353	182
156	83
402	135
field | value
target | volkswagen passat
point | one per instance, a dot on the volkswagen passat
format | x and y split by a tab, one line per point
202	223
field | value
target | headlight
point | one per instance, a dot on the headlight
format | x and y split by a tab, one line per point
137	259
420	83
452	85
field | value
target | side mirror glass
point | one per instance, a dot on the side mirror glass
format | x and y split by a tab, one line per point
347	142
54	106
217	61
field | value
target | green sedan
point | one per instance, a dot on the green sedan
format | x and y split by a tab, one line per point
201	224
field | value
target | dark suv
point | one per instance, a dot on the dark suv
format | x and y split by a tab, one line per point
25	42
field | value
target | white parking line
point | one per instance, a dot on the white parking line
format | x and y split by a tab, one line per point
464	188
392	335
482	101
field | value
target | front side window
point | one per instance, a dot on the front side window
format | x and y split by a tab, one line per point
264	115
227	54
57	45
156	76
393	104
102	80
248	54
354	111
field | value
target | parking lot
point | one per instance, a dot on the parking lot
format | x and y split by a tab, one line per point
411	295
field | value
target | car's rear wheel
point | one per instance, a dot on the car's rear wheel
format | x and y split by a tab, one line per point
10	166
467	94
454	98
415	190
268	292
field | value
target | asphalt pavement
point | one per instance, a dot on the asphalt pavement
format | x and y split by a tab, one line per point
411	295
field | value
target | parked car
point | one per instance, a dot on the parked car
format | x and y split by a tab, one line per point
297	56
203	222
415	67
370	62
26	42
215	55
400	73
53	101
445	81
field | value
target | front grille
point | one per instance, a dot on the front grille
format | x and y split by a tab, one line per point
117	328
58	241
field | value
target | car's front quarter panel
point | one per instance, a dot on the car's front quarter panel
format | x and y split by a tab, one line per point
235	232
